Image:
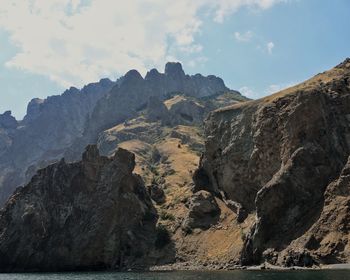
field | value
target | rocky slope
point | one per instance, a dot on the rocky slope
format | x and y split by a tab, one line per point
63	125
280	159
93	214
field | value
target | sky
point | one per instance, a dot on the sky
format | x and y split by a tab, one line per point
257	46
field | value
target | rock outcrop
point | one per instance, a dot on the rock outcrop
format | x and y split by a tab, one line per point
7	121
157	111
8	125
92	214
279	158
203	211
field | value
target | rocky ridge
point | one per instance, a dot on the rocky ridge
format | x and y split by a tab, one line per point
48	129
62	126
280	159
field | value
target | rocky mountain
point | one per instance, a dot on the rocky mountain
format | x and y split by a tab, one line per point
133	93
283	161
270	181
63	125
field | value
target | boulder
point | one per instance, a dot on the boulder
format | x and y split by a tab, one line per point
157	193
203	211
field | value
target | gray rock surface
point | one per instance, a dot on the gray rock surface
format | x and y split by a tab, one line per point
7	121
49	128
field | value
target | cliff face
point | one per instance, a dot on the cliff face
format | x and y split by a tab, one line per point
92	214
280	158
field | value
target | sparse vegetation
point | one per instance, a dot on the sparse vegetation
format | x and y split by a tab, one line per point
155	155
164	216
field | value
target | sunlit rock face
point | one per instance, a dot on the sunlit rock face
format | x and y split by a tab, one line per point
280	157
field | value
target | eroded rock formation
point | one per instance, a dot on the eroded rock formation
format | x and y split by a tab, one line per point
92	214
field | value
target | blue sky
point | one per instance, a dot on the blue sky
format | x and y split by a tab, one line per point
256	46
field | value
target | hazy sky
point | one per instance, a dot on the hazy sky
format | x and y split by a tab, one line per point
256	46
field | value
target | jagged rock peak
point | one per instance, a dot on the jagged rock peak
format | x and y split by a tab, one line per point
344	64
152	74
132	76
174	69
7	120
126	157
71	90
91	153
7	113
105	81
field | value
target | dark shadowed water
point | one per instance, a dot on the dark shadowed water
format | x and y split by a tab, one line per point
234	275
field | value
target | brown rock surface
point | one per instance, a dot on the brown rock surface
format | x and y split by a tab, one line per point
275	157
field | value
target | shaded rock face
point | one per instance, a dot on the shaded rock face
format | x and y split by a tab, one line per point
157	193
203	211
187	112
157	111
8	125
7	121
93	214
48	129
327	241
276	156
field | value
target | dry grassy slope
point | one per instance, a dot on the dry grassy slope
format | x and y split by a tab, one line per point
168	156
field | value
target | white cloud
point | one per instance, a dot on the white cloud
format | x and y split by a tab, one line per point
271	89
269	47
248	92
244	37
76	41
197	61
224	8
278	87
